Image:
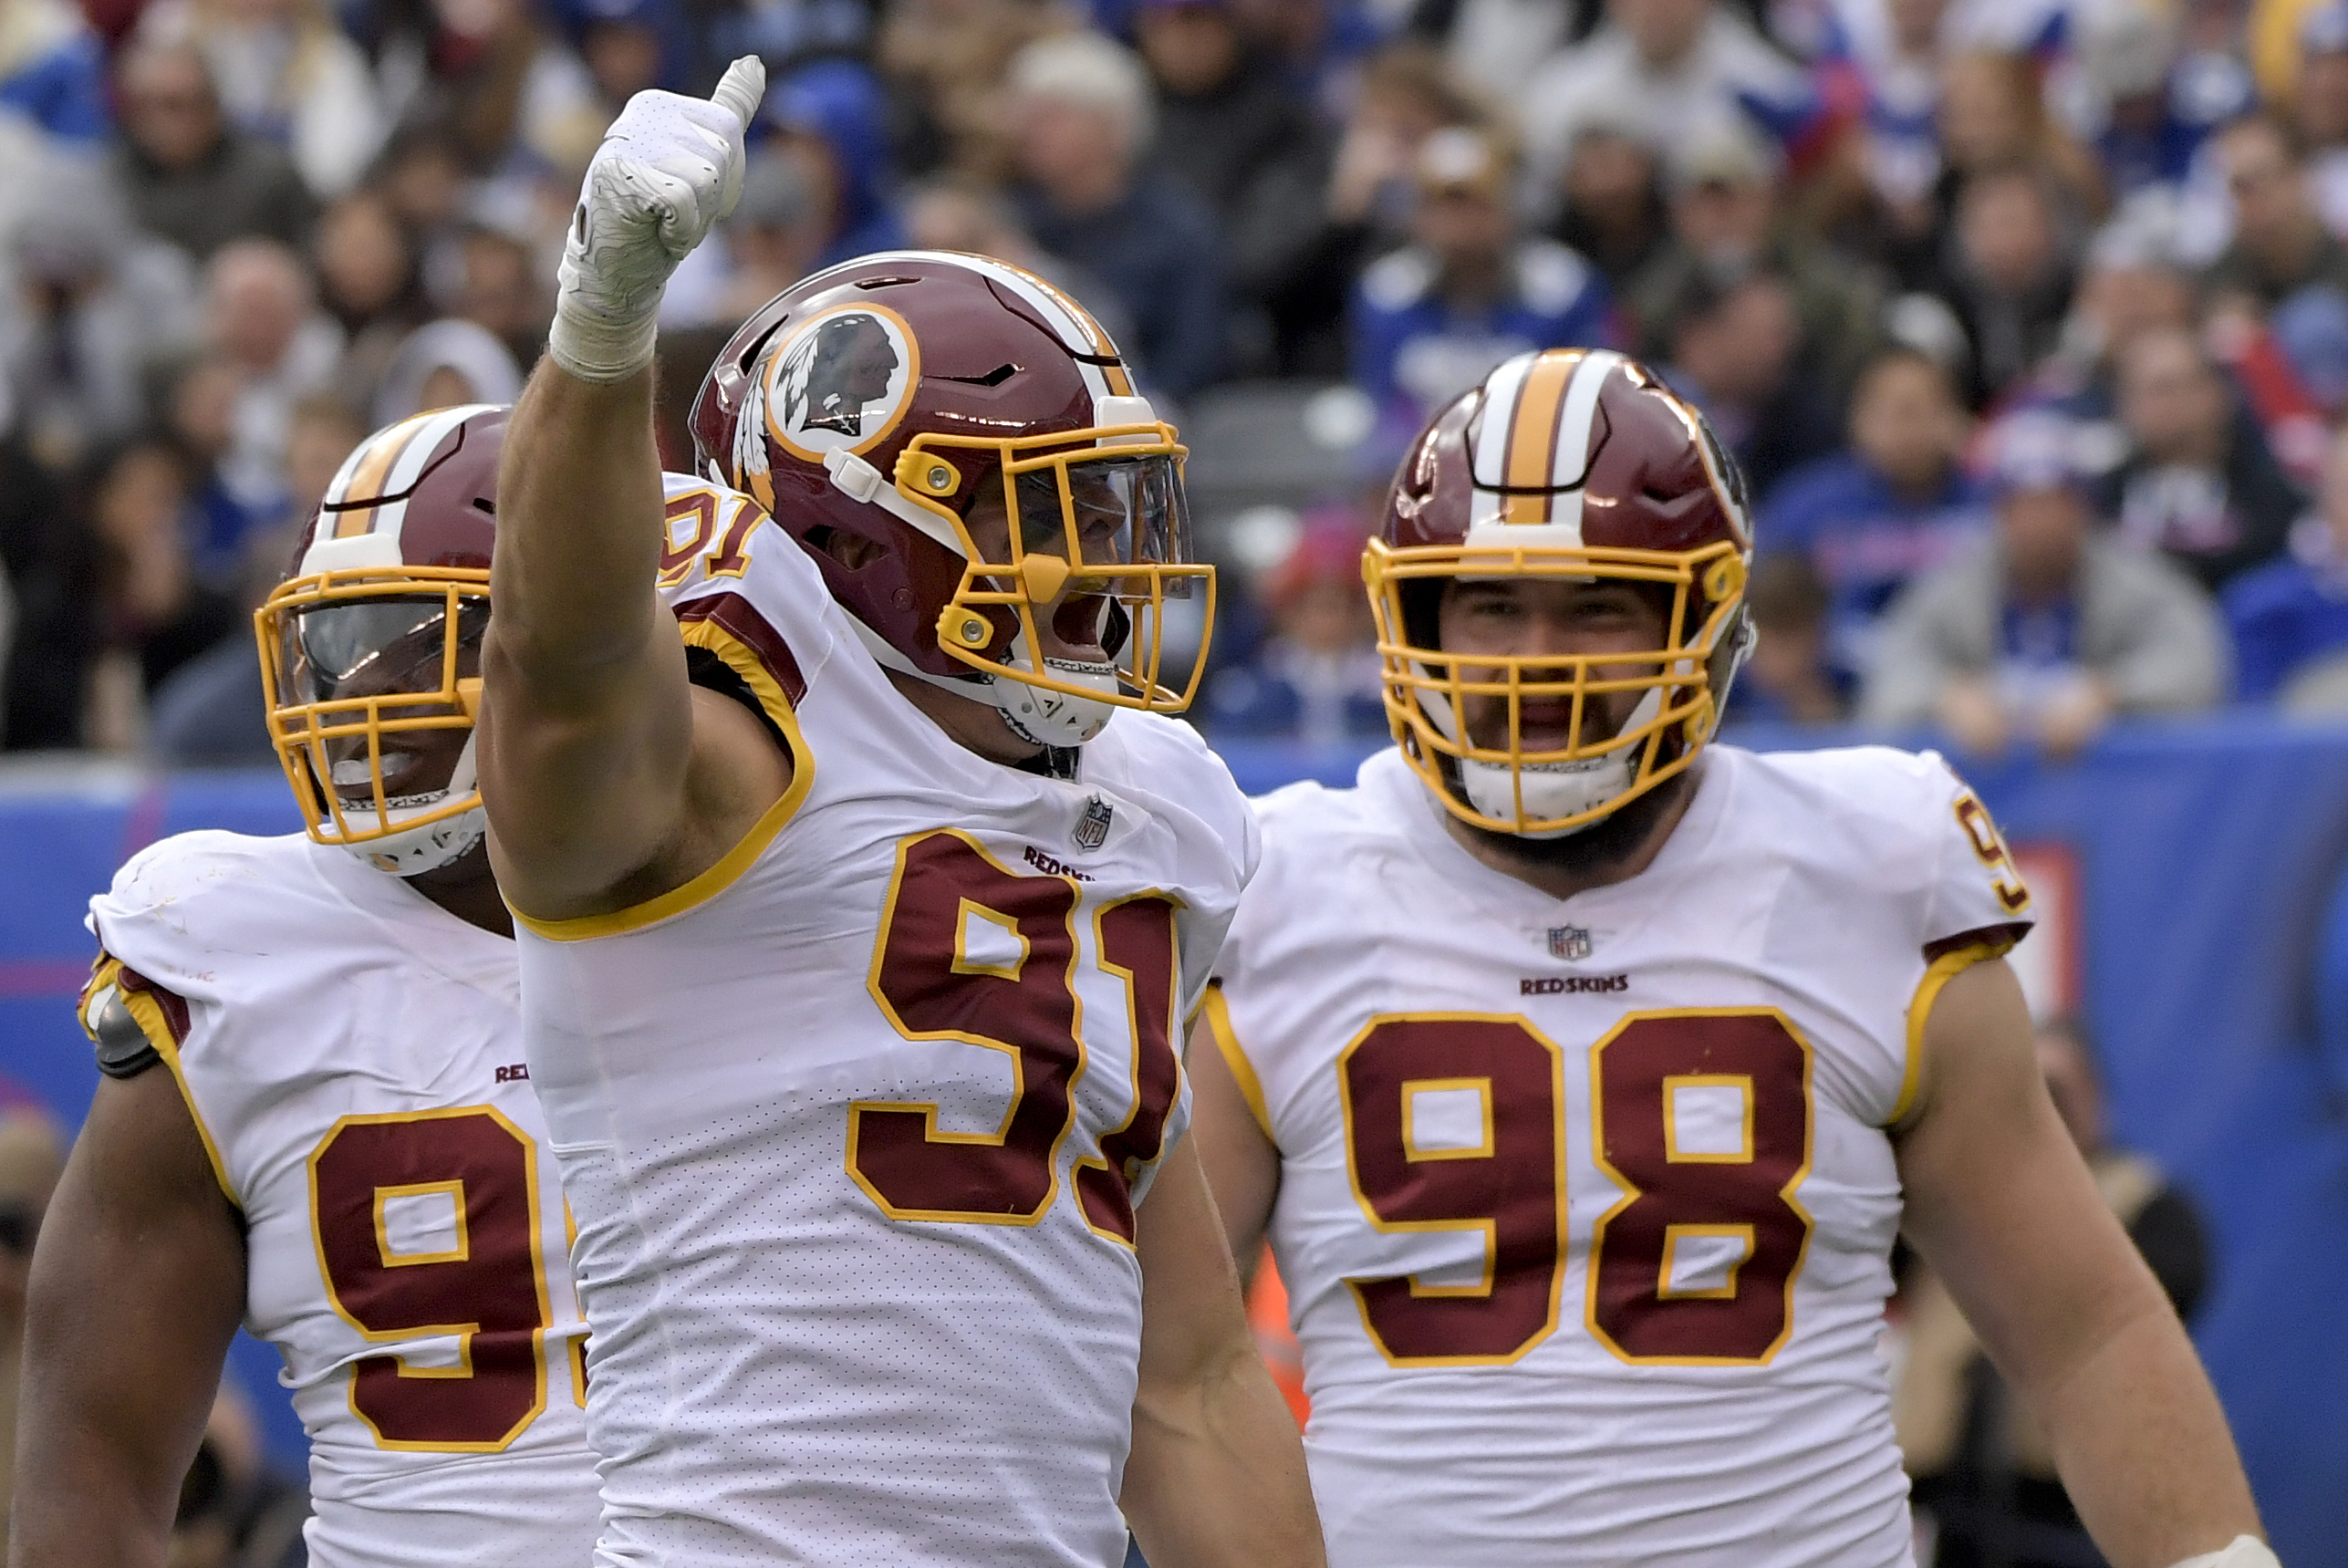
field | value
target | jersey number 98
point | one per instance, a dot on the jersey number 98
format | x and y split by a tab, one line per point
1694	1265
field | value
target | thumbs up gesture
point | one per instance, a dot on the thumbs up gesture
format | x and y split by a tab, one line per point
669	168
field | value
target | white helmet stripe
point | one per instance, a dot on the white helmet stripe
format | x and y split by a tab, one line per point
1488	464
1572	462
409	468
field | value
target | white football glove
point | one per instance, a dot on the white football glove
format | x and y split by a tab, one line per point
669	168
2247	1551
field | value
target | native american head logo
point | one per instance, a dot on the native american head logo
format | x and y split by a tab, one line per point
840	381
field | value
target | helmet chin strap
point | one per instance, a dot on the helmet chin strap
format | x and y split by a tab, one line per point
1035	715
411	851
1549	789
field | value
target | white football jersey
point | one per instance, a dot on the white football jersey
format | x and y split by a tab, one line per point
854	1123
1585	1206
352	1056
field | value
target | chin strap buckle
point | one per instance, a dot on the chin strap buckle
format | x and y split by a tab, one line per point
854	477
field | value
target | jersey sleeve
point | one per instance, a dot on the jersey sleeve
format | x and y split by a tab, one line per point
155	990
750	606
1977	898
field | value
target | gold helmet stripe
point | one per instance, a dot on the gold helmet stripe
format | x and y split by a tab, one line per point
1574	427
363	478
1533	438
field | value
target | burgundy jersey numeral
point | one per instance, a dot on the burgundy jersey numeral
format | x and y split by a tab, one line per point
1696	1263
488	1288
931	989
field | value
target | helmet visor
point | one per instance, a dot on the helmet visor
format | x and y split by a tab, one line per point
378	648
1105	513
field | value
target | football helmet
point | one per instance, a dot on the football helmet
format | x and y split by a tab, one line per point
901	397
370	649
1577	465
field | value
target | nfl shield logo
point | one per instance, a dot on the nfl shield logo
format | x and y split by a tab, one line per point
1091	828
1569	942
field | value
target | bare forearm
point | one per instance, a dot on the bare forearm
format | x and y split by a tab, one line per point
77	1505
578	529
1216	1478
2144	1448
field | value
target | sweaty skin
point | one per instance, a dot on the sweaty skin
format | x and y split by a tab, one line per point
1997	1195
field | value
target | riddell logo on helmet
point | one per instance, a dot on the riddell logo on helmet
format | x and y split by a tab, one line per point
1571	984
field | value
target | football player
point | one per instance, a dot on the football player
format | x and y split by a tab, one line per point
1583	1073
314	1115
858	921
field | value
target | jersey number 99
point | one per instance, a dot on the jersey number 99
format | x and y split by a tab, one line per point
1694	1265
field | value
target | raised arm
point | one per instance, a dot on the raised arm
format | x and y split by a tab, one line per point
588	729
137	1287
2002	1206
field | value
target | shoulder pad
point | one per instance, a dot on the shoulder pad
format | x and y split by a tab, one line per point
123	1049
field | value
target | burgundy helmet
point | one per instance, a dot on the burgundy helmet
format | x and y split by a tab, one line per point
1568	464
896	399
370	649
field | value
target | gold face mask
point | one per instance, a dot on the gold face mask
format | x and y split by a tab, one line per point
1096	514
368	673
1510	787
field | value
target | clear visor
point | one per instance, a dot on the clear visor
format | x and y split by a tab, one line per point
1117	511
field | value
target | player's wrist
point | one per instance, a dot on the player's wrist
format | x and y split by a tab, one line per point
598	344
2245	1551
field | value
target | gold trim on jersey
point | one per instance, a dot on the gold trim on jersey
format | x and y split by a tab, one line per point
1487	1227
149	1013
1632	1193
1725	1291
1217	1015
1413	1088
454	1191
577	1342
461	1331
1675	1081
1133	1022
928	1109
1937	974
729	867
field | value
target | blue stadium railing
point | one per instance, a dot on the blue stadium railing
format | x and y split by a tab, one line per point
2203	924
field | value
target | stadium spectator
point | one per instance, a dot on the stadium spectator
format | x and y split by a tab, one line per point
2146	120
832	116
2279	245
1406	95
284	70
441	364
369	283
52	69
188	175
946	62
1084	116
2320	109
1726	221
2050	626
768	242
2131	283
1468	291
1984	1473
1611	191
501	286
1894	505
153	612
1735	354
2010	276
1789	678
95	301
32	1157
1687	64
1237	135
209	712
2199	483
261	318
1317	677
2290	617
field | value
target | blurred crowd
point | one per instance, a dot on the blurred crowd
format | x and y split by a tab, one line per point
2026	319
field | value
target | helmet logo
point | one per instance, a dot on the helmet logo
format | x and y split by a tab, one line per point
840	380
